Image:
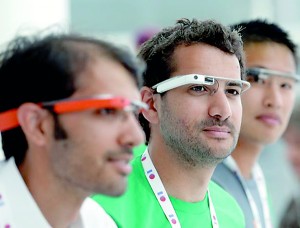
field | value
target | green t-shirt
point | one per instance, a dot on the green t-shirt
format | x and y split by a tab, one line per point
138	207
138	150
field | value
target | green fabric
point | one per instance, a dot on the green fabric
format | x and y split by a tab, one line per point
138	207
138	150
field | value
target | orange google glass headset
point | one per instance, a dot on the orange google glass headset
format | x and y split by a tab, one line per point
9	119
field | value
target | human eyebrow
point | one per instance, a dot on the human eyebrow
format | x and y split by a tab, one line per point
235	83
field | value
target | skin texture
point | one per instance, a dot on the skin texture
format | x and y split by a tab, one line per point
95	155
267	106
192	130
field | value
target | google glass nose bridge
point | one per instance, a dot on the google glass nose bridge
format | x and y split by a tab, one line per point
198	79
263	73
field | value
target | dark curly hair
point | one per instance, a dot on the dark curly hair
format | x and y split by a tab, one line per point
158	51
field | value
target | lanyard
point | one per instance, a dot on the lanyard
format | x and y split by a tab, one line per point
162	196
261	186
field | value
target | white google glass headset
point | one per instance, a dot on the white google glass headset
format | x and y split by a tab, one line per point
257	73
198	79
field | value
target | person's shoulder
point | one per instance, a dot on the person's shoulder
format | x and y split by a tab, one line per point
226	206
93	215
221	173
219	194
225	178
216	189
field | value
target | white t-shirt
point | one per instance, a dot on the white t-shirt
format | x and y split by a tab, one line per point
19	209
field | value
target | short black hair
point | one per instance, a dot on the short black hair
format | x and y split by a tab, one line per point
261	30
39	69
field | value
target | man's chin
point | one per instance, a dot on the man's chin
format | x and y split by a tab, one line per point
115	191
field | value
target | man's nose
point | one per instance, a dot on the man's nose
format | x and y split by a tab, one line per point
219	107
133	134
273	96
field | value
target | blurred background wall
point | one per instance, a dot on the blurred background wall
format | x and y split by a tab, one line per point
120	21
22	17
30	16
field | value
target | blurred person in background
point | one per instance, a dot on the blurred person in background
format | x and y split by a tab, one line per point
291	216
67	129
267	106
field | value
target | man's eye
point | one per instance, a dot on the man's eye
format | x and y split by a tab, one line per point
252	78
261	81
255	78
199	88
286	86
107	111
233	92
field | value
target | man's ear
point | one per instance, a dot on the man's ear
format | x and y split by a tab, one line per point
32	121
149	98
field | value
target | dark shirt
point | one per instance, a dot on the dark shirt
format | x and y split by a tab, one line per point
291	217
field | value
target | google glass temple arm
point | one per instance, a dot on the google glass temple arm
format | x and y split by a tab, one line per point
9	120
258	72
177	81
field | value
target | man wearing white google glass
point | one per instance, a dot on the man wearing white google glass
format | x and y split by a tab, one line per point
210	83
267	106
193	86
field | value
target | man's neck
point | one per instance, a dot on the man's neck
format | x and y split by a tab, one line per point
245	156
55	202
181	182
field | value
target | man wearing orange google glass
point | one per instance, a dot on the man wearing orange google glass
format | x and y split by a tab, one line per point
67	106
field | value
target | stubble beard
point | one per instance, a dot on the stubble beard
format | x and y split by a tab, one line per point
188	147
